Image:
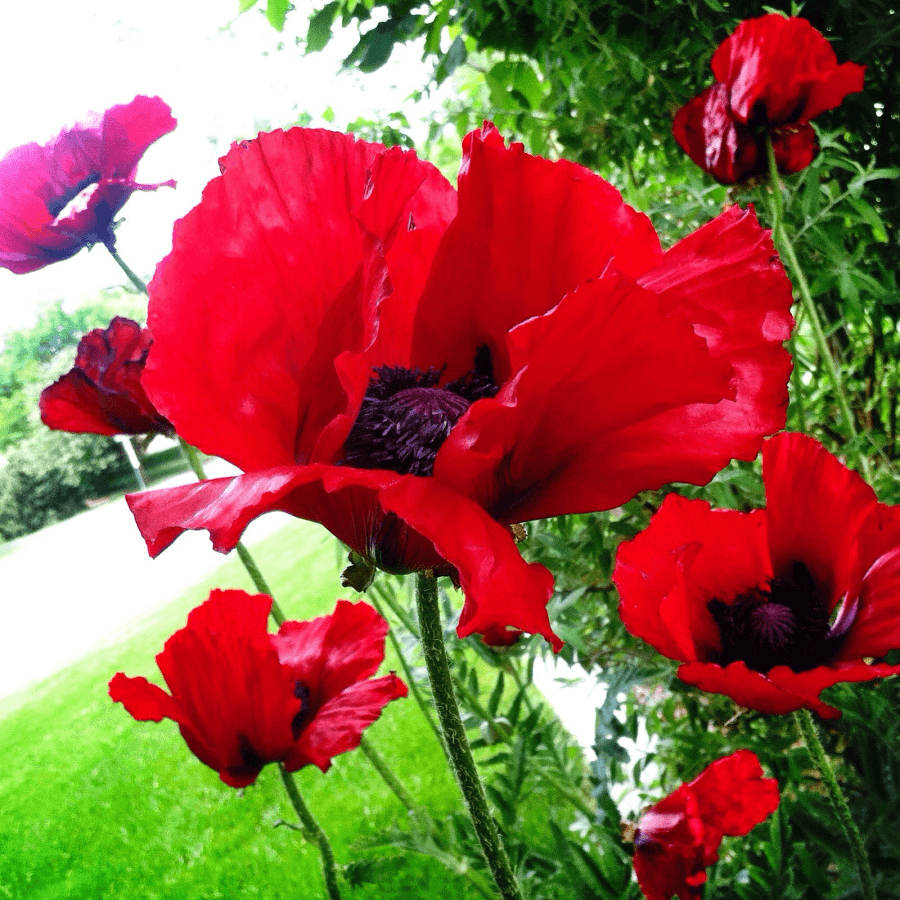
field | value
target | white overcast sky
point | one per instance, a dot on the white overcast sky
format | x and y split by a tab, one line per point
221	74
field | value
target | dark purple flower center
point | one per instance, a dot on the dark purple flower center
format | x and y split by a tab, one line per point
298	723
57	204
405	416
788	625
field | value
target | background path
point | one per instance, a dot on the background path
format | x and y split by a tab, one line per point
76	585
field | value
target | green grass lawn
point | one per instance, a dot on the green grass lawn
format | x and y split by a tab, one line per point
96	805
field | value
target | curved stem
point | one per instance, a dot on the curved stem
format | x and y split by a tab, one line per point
784	245
807	728
387	774
243	553
132	277
456	739
314	834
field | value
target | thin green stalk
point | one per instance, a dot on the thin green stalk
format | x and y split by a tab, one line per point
807	728
784	245
243	553
313	833
457	742
408	674
387	775
132	277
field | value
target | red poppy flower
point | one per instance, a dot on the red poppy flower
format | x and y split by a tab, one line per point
773	76
773	606
58	198
418	369
679	837
102	393
243	697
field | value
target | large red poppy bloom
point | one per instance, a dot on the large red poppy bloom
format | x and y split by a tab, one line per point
102	393
773	75
417	368
679	837
243	697
773	606
57	198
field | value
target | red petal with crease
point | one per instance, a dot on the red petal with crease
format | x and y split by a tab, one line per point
781	71
401	521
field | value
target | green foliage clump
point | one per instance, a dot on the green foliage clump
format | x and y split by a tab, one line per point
49	476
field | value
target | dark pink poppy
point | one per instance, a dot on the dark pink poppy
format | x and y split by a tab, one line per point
773	606
57	198
420	369
773	76
243	698
102	393
679	837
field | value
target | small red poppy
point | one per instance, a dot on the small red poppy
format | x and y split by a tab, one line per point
57	198
102	393
419	369
243	697
773	606
773	75
679	837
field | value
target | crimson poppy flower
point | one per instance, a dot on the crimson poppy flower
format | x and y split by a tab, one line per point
677	838
57	198
243	697
773	75
102	393
419	369
773	606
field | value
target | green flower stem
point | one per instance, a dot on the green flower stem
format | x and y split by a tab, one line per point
314	834
132	277
387	775
807	728
243	553
408	674
784	245
432	635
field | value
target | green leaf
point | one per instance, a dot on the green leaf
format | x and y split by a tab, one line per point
496	694
319	32
276	10
245	5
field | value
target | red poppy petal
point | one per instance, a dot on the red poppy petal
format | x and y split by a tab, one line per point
732	795
555	432
329	653
815	508
128	130
876	627
528	231
339	724
705	130
402	522
74	403
782	71
144	700
281	221
747	688
794	148
669	572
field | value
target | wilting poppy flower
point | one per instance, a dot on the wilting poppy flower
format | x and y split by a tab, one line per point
102	393
773	606
677	838
243	697
773	75
57	198
418	369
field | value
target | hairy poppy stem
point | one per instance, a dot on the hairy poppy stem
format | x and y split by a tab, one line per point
132	277
314	834
243	553
810	734
456	740
784	245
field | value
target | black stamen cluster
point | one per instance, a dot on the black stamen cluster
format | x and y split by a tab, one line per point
301	692
405	416
788	625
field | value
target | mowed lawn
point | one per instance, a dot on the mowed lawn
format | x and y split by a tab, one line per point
96	806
